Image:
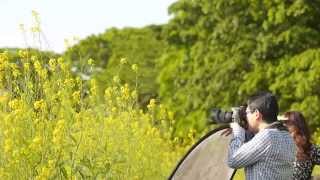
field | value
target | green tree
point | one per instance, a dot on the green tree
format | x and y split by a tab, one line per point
298	83
140	46
93	47
228	50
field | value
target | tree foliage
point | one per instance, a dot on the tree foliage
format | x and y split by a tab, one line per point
217	53
231	49
139	46
93	47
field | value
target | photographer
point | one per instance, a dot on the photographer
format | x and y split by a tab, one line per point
271	152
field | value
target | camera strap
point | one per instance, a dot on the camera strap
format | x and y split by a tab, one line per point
277	125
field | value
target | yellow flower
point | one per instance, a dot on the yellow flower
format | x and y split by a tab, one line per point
90	61
47	87
34	58
69	82
23	54
60	61
170	115
29	85
79	82
134	94
8	145
59	94
116	79
15	104
36	26
14	69
58	132
125	91
43	74
6	133
26	67
162	111
39	105
119	100
51	163
134	67
152	104
76	96
36	143
66	43
35	13
3	97
52	64
123	61
108	92
44	174
61	123
35	29
37	66
93	88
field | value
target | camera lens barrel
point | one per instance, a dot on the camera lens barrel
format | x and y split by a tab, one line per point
217	116
220	117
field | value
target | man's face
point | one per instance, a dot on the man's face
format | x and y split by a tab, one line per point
252	118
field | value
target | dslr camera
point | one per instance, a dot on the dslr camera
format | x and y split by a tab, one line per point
237	114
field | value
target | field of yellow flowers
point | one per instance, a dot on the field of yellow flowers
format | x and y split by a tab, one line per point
54	125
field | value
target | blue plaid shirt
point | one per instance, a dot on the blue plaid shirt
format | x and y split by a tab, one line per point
269	155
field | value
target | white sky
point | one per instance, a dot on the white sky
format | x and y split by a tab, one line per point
64	19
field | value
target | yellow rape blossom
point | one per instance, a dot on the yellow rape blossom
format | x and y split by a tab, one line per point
36	143
15	104
108	92
76	96
52	64
134	94
8	144
116	79
26	67
90	61
125	91
39	105
123	61
152	104
51	134
134	67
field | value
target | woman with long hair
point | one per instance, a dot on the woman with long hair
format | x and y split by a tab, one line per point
308	154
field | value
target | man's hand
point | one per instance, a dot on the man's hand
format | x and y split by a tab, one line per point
236	111
226	132
236	114
235	125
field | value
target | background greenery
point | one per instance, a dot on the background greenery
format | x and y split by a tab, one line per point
216	54
212	53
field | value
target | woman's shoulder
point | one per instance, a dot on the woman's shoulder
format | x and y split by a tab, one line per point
315	147
315	153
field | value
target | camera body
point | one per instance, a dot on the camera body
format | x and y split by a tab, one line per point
238	114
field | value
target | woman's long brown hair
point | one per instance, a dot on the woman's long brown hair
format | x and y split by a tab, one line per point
299	130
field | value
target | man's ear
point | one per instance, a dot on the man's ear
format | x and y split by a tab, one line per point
258	115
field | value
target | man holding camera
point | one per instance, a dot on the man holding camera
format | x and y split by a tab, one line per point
271	152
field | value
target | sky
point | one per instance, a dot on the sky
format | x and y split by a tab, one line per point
66	19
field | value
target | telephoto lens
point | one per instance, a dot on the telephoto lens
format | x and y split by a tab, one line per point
217	116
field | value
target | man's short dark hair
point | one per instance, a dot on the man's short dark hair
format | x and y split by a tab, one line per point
267	104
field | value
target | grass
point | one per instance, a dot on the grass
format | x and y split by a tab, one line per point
240	173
